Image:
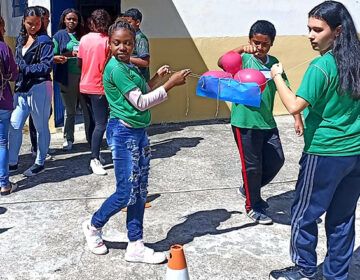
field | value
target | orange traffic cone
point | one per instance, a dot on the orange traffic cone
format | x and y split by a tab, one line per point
177	269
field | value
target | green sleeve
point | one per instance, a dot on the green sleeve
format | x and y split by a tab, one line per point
142	47
313	84
122	80
56	47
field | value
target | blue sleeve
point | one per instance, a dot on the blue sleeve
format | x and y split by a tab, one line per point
42	68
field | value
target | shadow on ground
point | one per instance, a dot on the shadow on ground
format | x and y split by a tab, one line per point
169	147
280	207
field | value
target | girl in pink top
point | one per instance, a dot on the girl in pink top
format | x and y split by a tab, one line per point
93	51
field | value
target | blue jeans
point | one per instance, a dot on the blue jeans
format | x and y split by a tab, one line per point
37	102
4	152
332	185
131	154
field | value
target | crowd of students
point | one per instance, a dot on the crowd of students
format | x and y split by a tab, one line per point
107	71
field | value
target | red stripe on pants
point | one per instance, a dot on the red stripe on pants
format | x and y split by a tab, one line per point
246	185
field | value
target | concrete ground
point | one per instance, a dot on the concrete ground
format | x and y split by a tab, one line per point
195	171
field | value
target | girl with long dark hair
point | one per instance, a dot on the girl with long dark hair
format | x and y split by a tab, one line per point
130	98
93	51
33	89
8	72
329	178
67	72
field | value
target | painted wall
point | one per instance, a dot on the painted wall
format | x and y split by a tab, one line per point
194	34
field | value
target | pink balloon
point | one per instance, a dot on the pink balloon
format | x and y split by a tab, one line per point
231	62
218	74
251	76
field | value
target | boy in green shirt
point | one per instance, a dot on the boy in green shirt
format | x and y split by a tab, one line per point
255	131
141	54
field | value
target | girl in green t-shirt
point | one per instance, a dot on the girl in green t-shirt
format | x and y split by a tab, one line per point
329	178
129	99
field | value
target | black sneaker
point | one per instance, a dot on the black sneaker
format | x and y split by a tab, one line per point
259	216
34	170
262	204
13	168
292	273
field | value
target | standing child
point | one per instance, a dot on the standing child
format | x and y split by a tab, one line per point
141	55
45	16
255	131
130	98
33	88
93	51
329	177
67	72
8	72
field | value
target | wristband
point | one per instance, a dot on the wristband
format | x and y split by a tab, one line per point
276	75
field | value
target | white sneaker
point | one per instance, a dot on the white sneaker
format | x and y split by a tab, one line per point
137	252
96	167
94	238
67	145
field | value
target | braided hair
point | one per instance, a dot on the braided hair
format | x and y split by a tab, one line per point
30	11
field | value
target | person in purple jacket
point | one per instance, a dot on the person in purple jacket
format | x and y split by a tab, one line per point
8	72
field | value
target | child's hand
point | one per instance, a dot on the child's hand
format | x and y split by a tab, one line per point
250	49
179	78
299	126
277	69
60	59
163	70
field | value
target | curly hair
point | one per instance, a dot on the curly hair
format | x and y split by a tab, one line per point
100	21
79	29
29	12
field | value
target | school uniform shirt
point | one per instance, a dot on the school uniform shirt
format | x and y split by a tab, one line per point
119	79
252	117
142	51
332	122
93	50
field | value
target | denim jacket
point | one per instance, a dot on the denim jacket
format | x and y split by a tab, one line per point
36	65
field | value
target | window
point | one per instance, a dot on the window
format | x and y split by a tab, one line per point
18	7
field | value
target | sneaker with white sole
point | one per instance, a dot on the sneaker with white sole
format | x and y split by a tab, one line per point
96	167
136	251
34	170
94	239
67	145
259	216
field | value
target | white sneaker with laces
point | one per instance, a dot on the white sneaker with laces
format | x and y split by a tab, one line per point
67	145
136	251
94	238
96	167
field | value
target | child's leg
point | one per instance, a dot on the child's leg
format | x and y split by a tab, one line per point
273	156
318	180
4	152
17	121
123	143
99	107
250	143
340	223
33	134
135	212
40	111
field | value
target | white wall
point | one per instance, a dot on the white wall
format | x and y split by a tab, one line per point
12	25
226	18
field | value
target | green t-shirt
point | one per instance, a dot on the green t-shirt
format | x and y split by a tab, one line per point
120	78
332	122
72	62
142	50
252	117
